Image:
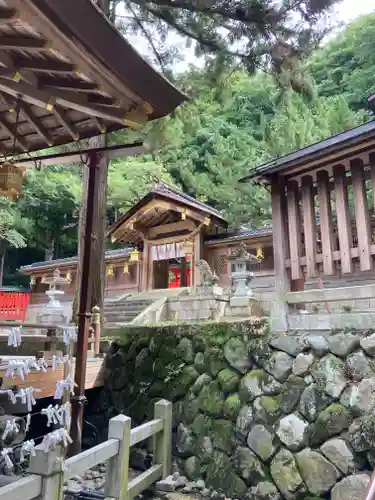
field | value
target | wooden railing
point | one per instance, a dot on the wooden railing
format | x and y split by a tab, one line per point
13	305
48	474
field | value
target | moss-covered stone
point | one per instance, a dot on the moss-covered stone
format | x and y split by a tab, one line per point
215	360
291	392
236	487
285	474
232	406
185	441
201	381
185	350
200	362
218	470
237	354
330	422
267	409
192	468
257	383
362	433
201	424
222	435
182	382
204	449
228	379
329	374
210	399
189	409
248	466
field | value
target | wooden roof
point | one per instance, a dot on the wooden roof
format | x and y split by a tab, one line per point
163	205
73	75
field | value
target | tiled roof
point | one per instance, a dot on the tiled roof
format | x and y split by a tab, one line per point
121	252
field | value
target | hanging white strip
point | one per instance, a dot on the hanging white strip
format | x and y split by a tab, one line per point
5	454
15	336
28	423
51	440
63	385
11	427
28	448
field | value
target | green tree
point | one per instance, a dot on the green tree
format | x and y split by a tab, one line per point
10	227
346	65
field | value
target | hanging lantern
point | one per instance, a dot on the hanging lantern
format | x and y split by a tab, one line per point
68	277
188	247
32	281
110	271
134	256
207	221
260	254
126	269
11	178
43	278
183	215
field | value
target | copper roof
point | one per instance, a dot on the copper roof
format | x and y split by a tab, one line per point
74	75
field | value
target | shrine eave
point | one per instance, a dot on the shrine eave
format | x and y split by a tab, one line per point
67	74
315	155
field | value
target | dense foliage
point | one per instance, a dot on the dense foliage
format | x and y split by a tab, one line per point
232	124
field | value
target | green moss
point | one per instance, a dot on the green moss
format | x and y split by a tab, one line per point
330	422
222	435
185	350
232	406
215	360
200	362
228	379
201	424
210	399
267	409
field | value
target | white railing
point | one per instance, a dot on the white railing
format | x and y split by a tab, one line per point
48	472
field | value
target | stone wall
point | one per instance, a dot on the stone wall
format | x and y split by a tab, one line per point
256	415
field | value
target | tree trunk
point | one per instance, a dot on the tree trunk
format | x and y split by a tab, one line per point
50	249
3	251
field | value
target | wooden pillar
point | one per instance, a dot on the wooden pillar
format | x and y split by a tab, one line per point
309	225
372	170
326	229
344	227
195	274
145	266
279	308
294	225
362	216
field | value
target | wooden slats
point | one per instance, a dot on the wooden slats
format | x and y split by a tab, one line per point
294	224
343	218
309	225
89	458
326	229
145	431
361	215
144	480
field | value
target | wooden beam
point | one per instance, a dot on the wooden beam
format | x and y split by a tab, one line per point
11	130
169	228
372	172
100	125
47	100
7	15
325	215
28	113
294	224
63	120
36	122
309	224
68	47
362	216
344	227
67	84
22	43
44	65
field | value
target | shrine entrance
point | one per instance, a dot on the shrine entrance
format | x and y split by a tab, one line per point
168	227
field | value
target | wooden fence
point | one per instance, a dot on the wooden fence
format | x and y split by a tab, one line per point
47	472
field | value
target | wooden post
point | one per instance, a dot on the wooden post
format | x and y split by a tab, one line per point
118	467
163	439
309	225
48	466
344	227
294	224
95	322
84	312
279	311
372	170
195	273
362	216
145	266
325	214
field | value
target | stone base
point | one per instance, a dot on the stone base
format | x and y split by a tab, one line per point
208	291
244	309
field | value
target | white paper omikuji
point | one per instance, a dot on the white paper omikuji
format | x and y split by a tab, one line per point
69	334
28	423
63	385
56	361
15	336
28	448
60	436
5	454
11	427
26	396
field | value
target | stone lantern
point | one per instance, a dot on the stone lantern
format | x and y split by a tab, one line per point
240	264
54	312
